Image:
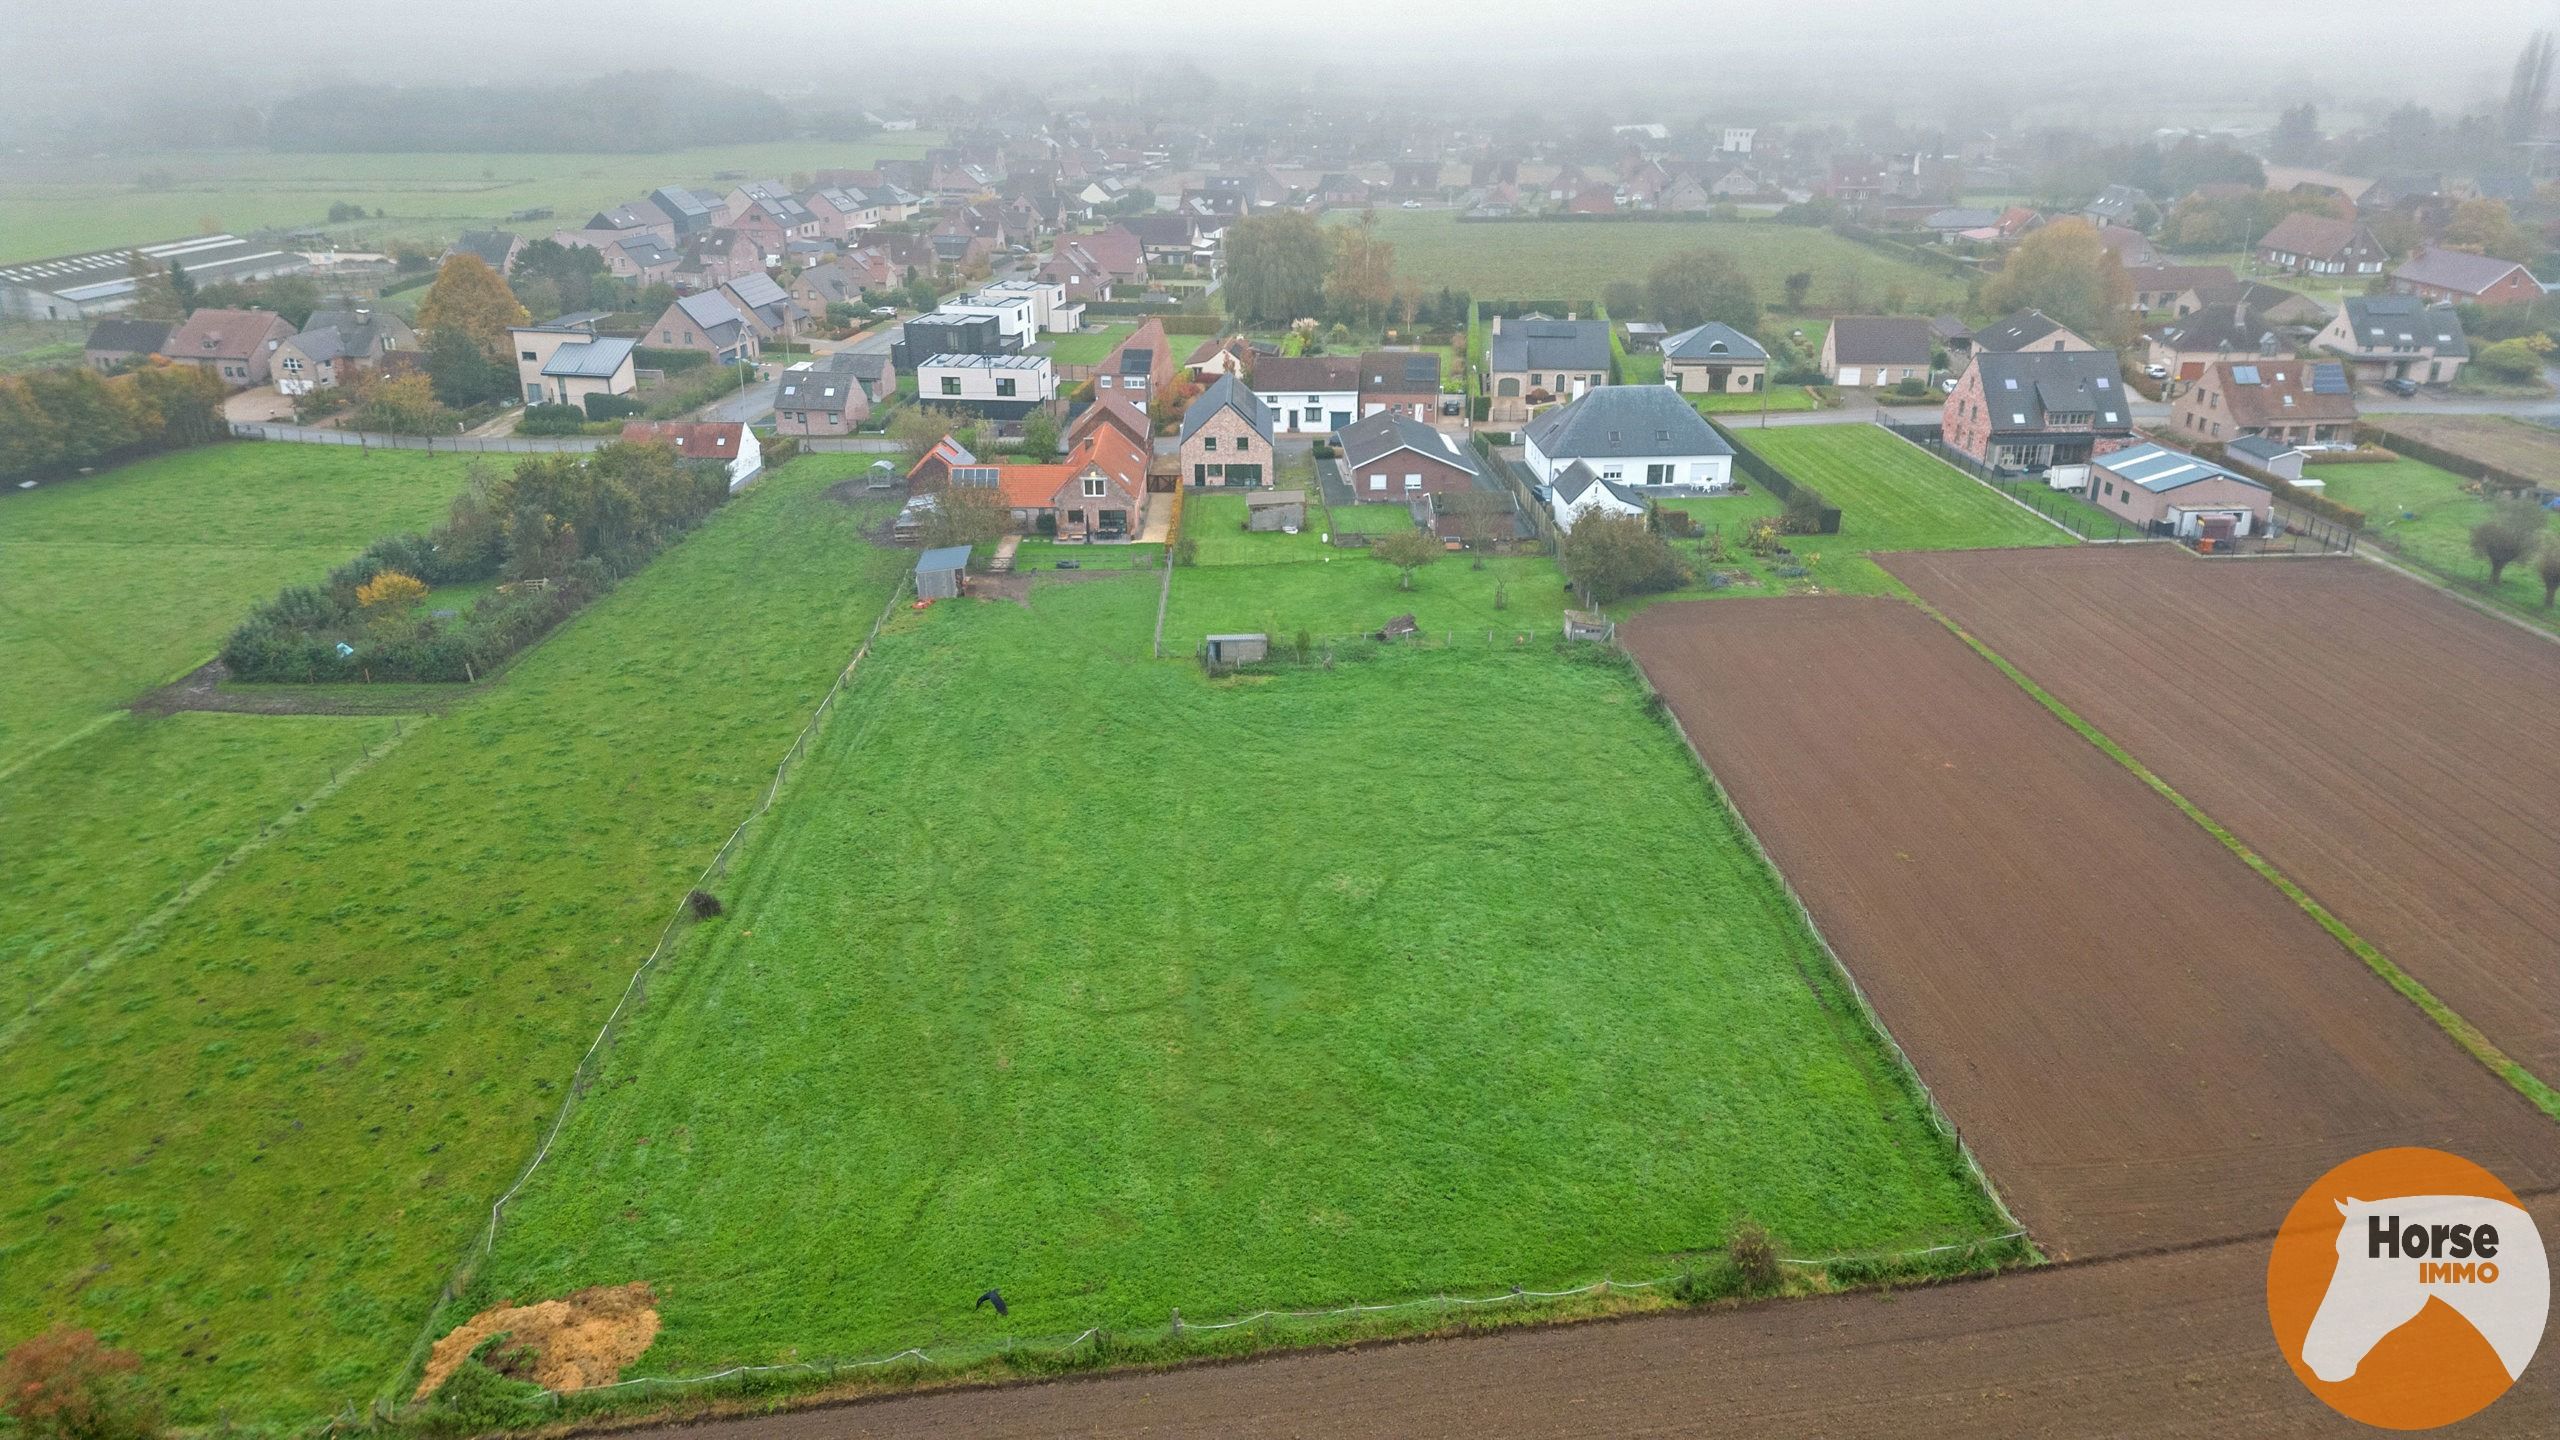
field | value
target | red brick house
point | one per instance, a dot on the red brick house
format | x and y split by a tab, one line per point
1089	265
2295	401
2042	412
1226	437
1391	457
2307	244
1404	381
1098	494
237	345
2458	277
1140	365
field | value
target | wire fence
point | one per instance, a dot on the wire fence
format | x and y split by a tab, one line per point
444	444
677	924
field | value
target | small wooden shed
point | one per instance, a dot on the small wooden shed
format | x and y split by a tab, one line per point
1225	652
1588	625
1276	510
941	574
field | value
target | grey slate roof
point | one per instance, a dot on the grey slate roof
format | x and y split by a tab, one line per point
2385	322
2455	269
1577	479
1864	340
139	337
490	245
1550	345
2021	388
646	251
591	359
949	557
2258	449
1400	370
1366	442
1625	422
710	310
1228	393
2019	331
1712	341
756	290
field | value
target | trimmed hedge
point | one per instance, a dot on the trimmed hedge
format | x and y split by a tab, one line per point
671	361
1797	494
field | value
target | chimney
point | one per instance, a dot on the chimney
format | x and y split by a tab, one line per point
1497	325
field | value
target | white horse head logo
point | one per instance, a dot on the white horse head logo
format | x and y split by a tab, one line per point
2482	1257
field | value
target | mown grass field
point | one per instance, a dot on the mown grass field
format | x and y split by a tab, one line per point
115	583
101	832
1087	347
1893	495
253	1148
1161	992
1554	260
54	208
1348	593
2424	517
1215	524
1370	519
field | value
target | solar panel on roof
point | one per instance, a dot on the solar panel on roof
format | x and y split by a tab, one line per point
2244	374
2329	380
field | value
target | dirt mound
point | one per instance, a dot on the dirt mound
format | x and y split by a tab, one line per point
557	1344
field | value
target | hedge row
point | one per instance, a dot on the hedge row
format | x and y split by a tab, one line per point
1798	495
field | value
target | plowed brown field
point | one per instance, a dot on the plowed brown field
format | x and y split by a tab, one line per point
2145	1042
2395	753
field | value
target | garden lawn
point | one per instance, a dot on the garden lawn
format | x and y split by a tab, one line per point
1535	259
1893	495
1037	554
1215	524
254	1148
115	583
1349	593
2424	516
1781	398
1088	347
102	831
60	207
1370	519
1159	992
2518	446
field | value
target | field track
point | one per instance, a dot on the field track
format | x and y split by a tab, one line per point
2172	1344
2144	1041
2388	749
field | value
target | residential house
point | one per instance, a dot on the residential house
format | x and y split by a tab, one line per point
2047	411
1052	313
940	465
1578	490
1644	437
766	305
1114	409
1392	456
711	323
1714	359
497	249
2458	277
2304	243
949	333
2300	402
237	345
116	342
998	387
2272	304
685	211
819	286
2171	492
1532	362
2027	330
712	258
1877	350
1226	436
833	394
1098	494
1405	381
2131	247
2157	287
564	365
335	343
1139	365
642	259
2124	205
1309	394
842	211
2397	337
1174	241
735	446
1221	355
1089	265
2185	346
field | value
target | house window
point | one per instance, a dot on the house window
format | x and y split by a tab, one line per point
1314	414
293	364
1413	482
1659	474
1377	482
1075	517
1537	381
1093	487
1208	442
1004	386
526	355
950	384
1242	444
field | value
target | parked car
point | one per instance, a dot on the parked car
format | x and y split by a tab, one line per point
2403	387
1413	204
884	309
2156	372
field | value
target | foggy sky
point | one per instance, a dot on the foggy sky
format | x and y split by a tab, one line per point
2140	62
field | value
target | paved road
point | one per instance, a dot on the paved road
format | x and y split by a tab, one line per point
2163	1344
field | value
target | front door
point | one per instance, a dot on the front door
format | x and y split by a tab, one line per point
533	394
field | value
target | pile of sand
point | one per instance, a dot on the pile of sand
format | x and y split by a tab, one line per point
557	1344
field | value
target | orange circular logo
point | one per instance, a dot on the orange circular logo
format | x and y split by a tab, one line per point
2408	1288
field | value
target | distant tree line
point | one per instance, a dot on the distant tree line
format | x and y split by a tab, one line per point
61	420
626	112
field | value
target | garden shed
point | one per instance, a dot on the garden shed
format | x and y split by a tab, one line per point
1276	510
1223	652
939	573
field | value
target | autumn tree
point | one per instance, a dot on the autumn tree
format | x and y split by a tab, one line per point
1362	280
470	297
1276	267
1609	556
2487	227
391	588
917	430
966	515
2065	271
403	404
1408	551
1039	435
154	297
1696	286
2508	535
65	1385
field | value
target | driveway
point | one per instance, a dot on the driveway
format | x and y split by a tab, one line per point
750	406
257	405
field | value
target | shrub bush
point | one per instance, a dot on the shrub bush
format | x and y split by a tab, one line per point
64	1385
551	420
1754	1257
611	407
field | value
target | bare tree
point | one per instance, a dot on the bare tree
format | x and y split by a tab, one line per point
2508	535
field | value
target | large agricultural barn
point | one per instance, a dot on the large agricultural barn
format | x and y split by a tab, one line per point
74	287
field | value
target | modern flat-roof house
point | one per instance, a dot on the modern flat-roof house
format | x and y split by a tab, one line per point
1226	436
1877	350
2306	244
2040	411
237	345
1714	359
2396	337
2300	402
740	454
1643	437
709	322
1533	362
100	282
1309	394
1406	381
945	333
563	365
2171	492
117	341
999	387
1391	456
2458	277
